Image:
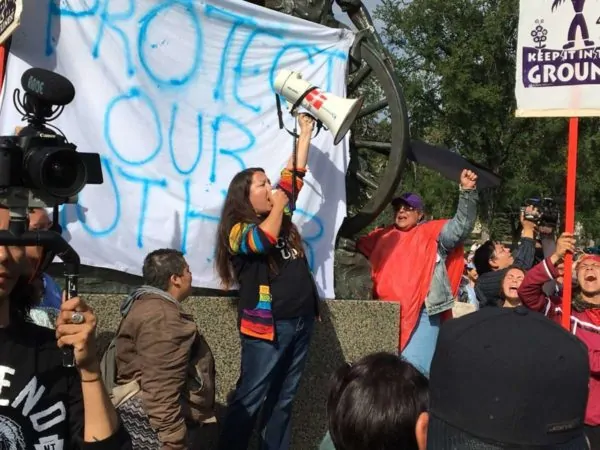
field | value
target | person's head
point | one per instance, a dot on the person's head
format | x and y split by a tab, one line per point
471	272
588	275
492	255
408	211
510	283
378	403
507	378
248	201
167	269
250	192
17	295
39	220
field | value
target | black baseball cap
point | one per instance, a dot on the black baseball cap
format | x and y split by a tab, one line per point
507	378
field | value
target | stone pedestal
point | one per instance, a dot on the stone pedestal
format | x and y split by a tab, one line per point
349	330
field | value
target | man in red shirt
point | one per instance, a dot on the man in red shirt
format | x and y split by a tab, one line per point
419	265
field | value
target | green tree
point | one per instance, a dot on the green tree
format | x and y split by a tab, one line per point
456	63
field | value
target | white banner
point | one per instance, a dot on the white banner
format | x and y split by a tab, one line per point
558	58
177	97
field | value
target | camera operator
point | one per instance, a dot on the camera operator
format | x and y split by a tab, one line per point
39	220
493	259
52	296
42	403
46	312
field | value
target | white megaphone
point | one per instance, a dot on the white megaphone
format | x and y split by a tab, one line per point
336	113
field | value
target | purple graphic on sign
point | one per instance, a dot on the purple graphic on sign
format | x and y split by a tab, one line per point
545	67
539	34
578	23
564	66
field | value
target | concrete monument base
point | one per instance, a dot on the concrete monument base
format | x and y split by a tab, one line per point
349	330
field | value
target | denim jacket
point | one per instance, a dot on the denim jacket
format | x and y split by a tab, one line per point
456	230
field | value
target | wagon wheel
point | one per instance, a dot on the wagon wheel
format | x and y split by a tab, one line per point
367	196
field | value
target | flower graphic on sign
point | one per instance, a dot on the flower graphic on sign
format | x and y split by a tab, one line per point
539	34
578	23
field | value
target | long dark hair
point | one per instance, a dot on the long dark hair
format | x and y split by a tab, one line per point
508	269
238	209
22	298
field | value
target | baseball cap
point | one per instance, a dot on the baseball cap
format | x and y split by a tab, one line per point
507	378
410	199
470	266
589	257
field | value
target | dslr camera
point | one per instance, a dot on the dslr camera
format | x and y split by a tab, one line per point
39	168
547	213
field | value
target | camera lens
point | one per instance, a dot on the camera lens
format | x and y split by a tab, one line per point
57	171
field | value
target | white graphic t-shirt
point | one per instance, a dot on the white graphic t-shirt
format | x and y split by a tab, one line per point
41	405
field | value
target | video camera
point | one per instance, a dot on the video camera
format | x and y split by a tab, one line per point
39	168
547	212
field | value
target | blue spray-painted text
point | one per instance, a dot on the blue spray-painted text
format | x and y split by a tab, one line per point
219	135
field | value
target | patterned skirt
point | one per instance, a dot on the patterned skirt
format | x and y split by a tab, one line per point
137	423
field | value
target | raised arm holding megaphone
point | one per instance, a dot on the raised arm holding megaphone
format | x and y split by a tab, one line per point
337	114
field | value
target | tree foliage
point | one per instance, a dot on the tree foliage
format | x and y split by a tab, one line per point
456	63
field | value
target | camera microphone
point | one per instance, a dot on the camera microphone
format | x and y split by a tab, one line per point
48	87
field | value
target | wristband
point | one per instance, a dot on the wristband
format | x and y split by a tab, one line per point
92	380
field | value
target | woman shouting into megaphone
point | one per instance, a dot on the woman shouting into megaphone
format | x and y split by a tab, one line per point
259	248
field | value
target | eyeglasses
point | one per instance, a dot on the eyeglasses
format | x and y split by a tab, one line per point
405	207
500	251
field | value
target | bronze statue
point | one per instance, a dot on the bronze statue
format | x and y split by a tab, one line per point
352	272
321	11
311	10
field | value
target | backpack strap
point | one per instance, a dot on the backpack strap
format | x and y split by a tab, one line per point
108	364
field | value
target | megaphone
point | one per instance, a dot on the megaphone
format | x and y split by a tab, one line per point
336	113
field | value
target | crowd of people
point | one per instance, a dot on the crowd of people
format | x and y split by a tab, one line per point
413	263
502	375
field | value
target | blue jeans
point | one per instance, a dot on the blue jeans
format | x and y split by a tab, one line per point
422	341
269	378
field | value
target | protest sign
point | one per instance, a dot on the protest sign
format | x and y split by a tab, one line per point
558	59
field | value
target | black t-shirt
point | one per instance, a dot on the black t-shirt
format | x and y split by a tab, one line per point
293	289
41	406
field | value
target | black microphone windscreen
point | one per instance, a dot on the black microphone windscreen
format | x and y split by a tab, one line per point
48	86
